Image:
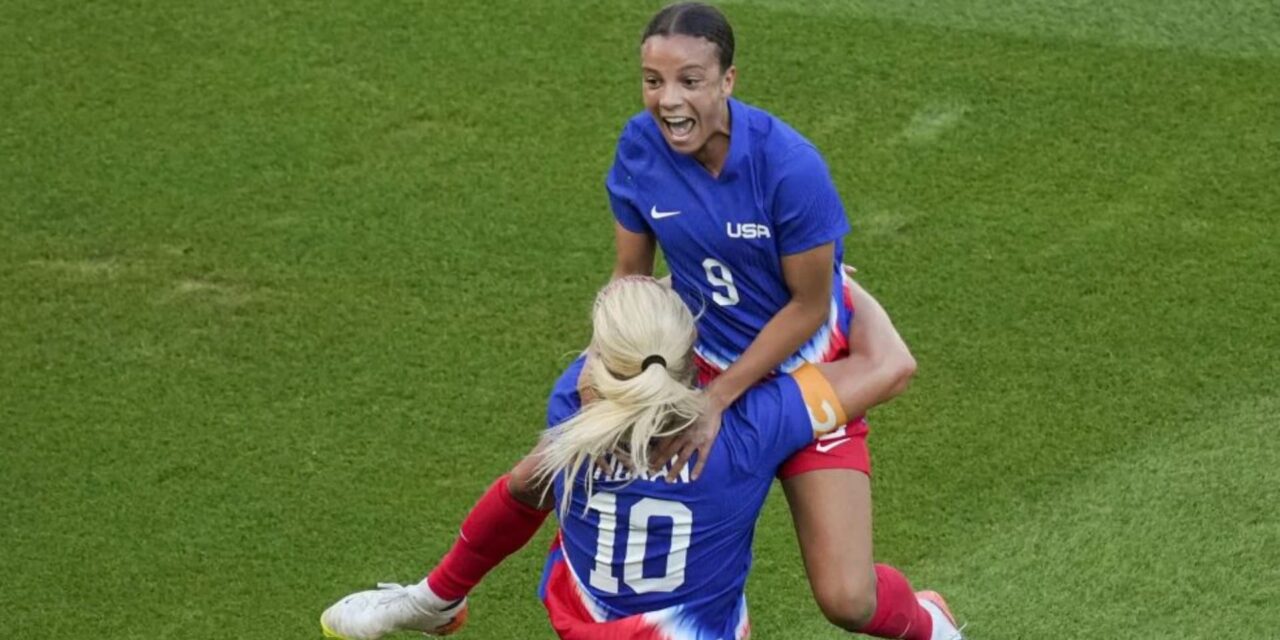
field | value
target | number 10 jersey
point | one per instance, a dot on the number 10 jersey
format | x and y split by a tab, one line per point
642	558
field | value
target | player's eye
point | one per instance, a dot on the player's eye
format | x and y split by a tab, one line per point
692	82
652	82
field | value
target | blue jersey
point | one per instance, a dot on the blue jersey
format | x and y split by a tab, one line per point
679	552
724	237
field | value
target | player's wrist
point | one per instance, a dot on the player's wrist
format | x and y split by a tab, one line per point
719	398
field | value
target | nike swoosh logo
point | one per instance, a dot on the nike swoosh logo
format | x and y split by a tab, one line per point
825	447
658	215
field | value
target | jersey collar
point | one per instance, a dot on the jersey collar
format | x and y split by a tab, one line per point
739	134
739	143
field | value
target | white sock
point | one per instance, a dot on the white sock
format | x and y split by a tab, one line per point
424	596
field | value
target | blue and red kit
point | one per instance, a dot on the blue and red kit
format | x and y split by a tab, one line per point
724	236
642	558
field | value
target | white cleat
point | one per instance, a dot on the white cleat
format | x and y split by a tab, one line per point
944	624
370	615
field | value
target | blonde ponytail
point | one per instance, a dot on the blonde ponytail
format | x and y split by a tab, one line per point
640	370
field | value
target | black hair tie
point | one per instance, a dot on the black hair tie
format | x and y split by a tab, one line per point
653	359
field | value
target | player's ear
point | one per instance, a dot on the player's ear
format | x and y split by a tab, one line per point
730	78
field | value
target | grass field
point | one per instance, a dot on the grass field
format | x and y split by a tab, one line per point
283	287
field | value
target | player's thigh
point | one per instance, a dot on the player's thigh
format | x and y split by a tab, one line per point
831	509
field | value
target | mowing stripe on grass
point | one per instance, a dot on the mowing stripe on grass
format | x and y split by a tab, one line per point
1140	545
1235	28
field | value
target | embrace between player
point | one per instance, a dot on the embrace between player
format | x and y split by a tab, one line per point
750	225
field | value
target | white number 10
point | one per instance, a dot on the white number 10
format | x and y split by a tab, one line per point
642	513
720	276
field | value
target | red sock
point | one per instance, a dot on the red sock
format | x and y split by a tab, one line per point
498	526
898	613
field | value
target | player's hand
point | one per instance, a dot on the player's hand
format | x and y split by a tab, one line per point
698	438
606	464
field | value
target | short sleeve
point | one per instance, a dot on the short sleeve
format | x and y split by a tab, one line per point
564	401
806	207
620	184
769	424
779	417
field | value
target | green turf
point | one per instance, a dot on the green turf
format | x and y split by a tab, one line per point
282	289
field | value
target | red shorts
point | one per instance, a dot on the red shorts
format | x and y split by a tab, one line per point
844	448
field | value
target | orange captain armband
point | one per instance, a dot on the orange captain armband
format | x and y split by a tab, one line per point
825	410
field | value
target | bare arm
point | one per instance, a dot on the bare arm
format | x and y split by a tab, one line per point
809	276
879	366
635	252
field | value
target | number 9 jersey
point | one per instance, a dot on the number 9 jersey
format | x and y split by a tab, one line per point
724	236
643	558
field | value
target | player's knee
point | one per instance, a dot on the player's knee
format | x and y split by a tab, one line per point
523	486
848	603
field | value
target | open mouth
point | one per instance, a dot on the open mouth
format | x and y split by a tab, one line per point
679	127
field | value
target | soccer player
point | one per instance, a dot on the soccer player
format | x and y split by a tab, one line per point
750	224
640	556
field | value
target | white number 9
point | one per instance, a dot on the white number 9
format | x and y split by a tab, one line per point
720	276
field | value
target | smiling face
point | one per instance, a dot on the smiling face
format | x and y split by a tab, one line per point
687	93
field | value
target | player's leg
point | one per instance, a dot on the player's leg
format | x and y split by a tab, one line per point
828	486
504	519
831	512
831	509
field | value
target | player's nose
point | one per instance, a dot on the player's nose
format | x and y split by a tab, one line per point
671	98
